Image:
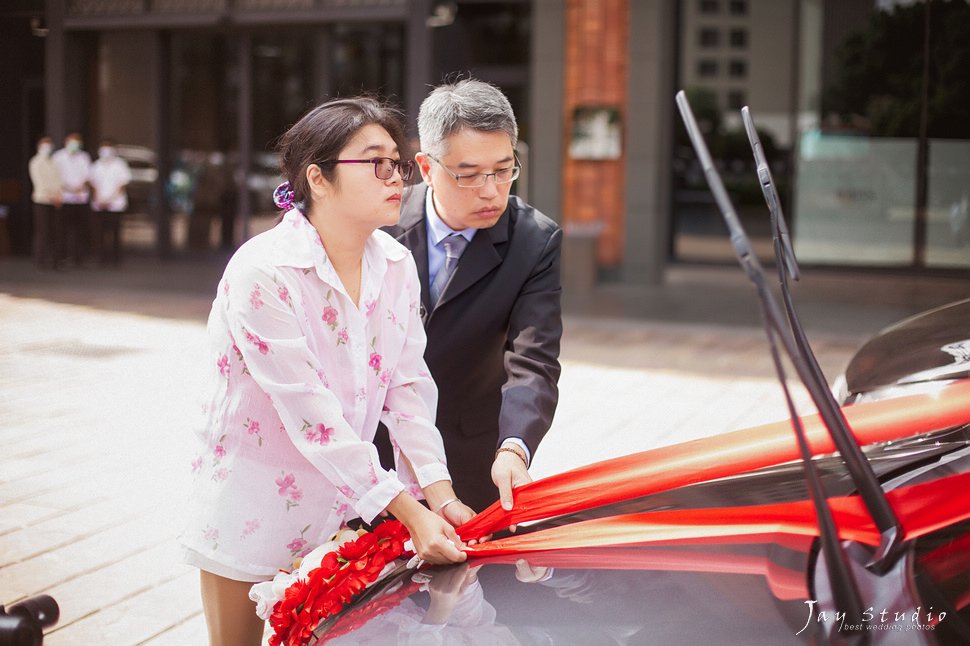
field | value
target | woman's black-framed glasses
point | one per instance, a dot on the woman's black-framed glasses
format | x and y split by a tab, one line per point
383	166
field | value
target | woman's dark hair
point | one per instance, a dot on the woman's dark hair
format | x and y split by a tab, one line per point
325	130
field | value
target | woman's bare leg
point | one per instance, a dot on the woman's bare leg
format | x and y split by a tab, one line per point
229	613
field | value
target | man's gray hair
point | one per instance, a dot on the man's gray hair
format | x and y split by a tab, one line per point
468	103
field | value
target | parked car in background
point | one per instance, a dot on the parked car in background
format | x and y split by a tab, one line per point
144	172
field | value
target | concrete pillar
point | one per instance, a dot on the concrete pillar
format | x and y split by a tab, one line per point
244	135
418	66
545	101
649	135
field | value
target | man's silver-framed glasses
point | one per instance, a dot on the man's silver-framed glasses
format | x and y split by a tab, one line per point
477	180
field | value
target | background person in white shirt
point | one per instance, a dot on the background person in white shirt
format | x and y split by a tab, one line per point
110	176
74	166
46	196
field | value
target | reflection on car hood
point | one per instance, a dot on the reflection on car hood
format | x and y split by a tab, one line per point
932	346
739	590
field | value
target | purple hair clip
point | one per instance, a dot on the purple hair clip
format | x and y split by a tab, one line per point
283	196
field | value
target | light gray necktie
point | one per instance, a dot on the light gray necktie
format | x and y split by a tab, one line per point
454	246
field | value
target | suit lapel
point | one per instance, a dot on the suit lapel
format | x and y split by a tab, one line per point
480	257
414	236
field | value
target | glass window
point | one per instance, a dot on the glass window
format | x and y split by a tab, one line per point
709	6
739	38
864	192
718	81
706	68
738	7
709	37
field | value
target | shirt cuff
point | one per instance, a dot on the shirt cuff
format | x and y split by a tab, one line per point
519	443
378	498
431	473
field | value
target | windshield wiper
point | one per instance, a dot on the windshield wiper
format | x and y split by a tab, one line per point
864	478
844	587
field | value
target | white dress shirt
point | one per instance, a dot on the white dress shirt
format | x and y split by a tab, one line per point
46	179
75	169
109	177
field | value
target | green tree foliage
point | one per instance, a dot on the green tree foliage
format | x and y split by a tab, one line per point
881	72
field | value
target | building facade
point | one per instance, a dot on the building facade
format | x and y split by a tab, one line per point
198	90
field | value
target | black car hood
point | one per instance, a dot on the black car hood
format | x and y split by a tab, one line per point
932	346
753	590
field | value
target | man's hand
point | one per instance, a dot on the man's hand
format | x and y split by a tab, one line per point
509	471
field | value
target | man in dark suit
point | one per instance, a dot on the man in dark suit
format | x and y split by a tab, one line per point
489	268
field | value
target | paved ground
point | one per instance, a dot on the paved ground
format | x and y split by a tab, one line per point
98	377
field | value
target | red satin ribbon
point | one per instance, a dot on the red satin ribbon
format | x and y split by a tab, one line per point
922	508
706	459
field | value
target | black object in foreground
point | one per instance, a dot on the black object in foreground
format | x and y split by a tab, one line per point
844	587
890	528
23	623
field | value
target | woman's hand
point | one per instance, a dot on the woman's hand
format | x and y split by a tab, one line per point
435	540
446	586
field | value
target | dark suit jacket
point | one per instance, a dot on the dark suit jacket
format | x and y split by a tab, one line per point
493	339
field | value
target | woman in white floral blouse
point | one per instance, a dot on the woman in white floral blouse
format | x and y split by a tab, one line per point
315	338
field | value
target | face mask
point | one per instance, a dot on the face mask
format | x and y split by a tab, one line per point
106	152
73	146
45	149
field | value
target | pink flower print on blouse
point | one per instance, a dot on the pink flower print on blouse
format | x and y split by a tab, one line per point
197	464
261	345
298	546
256	298
218	451
392	317
252	427
319	433
346	491
289	490
223	364
284	294
343	336
340	509
211	535
225	287
375	361
375	357
239	357
330	312
220	474
251	528
369	307
386	377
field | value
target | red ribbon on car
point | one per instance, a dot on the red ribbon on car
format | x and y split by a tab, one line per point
921	508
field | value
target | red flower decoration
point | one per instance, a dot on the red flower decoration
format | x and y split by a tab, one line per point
342	575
